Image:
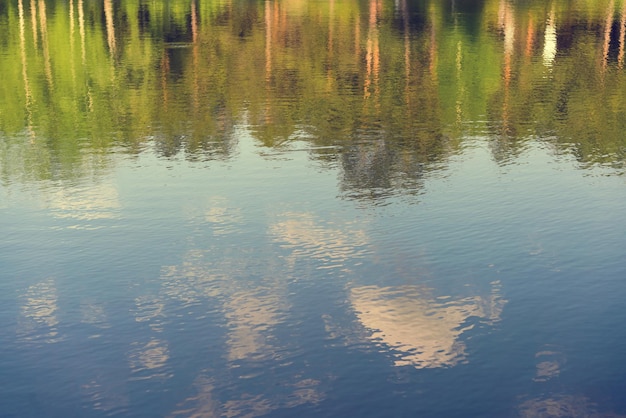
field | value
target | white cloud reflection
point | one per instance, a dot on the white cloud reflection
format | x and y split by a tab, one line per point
251	314
106	392
39	320
206	405
422	330
84	204
548	364
223	216
563	406
202	404
150	309
311	238
219	212
149	361
558	403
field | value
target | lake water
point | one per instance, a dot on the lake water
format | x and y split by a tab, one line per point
338	208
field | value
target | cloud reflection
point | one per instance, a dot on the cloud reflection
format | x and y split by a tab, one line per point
94	314
250	294
39	313
251	314
563	406
309	237
548	364
105	393
223	217
423	330
194	280
204	403
150	309
149	361
95	202
251	308
549	361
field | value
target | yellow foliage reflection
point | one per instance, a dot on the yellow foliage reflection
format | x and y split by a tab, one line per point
549	43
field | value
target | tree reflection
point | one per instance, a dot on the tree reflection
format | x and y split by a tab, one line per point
396	86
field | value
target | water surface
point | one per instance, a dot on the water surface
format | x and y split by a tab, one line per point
312	208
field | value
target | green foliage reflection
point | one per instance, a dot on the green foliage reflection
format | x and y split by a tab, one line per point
397	85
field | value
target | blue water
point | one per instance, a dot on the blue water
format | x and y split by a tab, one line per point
360	275
251	286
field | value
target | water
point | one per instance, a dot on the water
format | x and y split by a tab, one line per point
341	208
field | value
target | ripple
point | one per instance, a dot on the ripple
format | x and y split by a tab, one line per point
420	330
309	238
150	360
39	320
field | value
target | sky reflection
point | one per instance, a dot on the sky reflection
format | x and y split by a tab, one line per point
418	328
344	208
39	322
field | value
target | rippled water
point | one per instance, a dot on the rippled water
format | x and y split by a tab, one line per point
338	208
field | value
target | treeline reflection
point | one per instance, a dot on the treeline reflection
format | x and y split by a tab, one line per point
396	86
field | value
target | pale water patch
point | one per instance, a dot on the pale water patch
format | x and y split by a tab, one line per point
39	313
419	329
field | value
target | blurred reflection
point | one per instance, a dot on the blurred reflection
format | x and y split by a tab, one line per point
372	54
251	314
385	103
549	40
150	360
27	92
548	364
608	26
421	330
150	309
507	22
387	91
223	216
39	320
308	237
195	279
268	42
110	27
105	392
81	30
43	26
94	313
33	16
563	406
622	36
202	404
556	402
250	296
251	310
205	403
299	393
91	203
